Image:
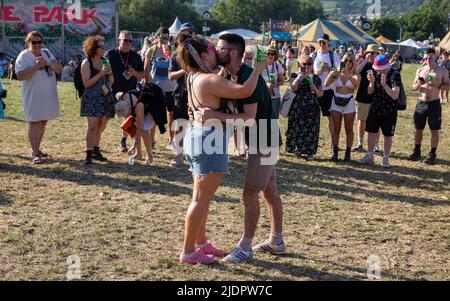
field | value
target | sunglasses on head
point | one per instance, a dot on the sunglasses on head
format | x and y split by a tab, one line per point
36	42
127	41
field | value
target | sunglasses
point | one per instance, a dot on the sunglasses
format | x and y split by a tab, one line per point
212	49
307	64
127	41
271	54
101	46
164	38
371	52
36	42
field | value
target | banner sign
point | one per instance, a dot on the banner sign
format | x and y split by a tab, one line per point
79	17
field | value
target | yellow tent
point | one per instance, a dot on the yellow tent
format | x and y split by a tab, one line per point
383	40
445	43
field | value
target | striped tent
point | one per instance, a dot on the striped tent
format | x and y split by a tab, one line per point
360	33
314	30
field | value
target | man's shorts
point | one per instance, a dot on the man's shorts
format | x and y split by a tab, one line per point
362	110
431	110
259	176
387	123
325	102
168	99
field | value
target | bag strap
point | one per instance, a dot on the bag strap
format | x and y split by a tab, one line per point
91	66
331	54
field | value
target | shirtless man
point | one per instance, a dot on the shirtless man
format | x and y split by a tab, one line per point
430	79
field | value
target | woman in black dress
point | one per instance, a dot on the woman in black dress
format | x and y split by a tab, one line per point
302	135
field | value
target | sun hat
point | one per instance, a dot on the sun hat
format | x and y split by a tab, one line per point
372	48
381	63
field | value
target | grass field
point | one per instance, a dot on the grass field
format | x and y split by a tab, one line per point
126	222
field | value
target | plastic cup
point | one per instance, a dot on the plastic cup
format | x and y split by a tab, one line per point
130	161
272	78
309	80
431	77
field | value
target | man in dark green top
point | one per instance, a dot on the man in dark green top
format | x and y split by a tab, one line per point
263	140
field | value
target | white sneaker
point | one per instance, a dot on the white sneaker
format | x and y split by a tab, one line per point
385	163
238	255
267	247
366	160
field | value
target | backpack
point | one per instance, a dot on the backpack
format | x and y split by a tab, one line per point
149	92
78	80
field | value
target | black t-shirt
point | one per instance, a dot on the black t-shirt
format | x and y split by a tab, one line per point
382	103
264	112
174	67
119	62
362	96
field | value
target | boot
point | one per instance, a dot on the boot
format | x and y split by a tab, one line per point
347	157
335	158
97	155
88	160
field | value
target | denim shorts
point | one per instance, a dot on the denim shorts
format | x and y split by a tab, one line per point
206	150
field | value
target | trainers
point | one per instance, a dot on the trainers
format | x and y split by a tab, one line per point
267	247
430	160
415	155
366	160
358	148
177	162
97	155
378	149
238	255
209	249
198	258
385	163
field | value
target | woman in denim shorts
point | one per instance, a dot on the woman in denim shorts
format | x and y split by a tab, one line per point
205	142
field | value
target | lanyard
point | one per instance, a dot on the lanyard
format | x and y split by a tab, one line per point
267	69
125	63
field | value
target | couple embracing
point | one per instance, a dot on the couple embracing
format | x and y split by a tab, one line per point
236	96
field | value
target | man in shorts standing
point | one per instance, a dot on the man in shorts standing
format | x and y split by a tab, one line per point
260	174
429	80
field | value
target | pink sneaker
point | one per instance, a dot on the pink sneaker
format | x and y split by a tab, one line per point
209	249
198	258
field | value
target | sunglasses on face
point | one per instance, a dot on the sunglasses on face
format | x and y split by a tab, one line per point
306	64
271	54
36	42
212	49
164	38
371	52
101	46
127	41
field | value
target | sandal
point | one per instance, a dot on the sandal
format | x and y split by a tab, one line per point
37	160
42	155
149	160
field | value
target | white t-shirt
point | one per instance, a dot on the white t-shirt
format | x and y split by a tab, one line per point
325	58
39	93
277	69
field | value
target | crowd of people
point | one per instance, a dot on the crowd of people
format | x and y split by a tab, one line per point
210	93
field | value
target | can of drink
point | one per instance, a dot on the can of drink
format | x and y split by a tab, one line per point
106	64
261	53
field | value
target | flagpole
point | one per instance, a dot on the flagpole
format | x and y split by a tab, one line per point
63	42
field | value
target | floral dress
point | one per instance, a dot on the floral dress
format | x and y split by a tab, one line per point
302	134
94	103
